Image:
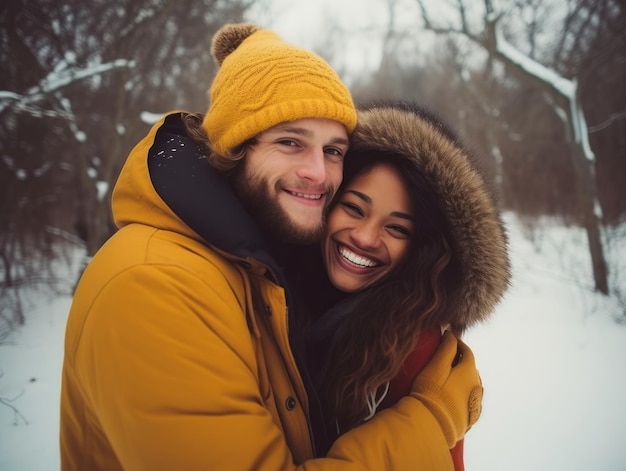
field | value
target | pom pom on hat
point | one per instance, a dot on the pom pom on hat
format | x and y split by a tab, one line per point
228	38
264	81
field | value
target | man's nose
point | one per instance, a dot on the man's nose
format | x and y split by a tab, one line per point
313	166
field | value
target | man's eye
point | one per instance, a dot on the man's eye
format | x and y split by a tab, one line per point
333	151
288	142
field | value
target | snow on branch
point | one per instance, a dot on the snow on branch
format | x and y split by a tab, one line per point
53	82
567	88
581	133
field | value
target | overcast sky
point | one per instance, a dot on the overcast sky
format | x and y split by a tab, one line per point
348	33
356	24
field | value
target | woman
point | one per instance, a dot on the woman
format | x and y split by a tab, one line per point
414	244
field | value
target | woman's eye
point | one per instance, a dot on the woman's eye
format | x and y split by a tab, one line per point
352	208
400	231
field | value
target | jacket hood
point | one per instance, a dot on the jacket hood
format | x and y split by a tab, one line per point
167	183
134	198
475	228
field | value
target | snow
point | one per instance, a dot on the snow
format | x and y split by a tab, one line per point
551	359
150	118
80	136
61	76
552	364
566	87
581	133
102	187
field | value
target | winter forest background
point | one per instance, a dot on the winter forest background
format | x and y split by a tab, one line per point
536	87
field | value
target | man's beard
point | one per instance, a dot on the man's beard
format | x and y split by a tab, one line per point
272	219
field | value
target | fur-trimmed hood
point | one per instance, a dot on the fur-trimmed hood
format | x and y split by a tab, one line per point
475	227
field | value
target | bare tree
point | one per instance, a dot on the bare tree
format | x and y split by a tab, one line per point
76	78
561	94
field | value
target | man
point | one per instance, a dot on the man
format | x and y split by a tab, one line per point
178	352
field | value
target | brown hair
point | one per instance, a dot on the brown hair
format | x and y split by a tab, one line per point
382	329
224	163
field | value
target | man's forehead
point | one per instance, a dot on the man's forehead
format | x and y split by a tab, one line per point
306	127
295	127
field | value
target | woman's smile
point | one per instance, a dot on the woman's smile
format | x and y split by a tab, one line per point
354	259
369	229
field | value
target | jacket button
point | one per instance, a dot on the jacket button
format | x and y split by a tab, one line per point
268	309
290	403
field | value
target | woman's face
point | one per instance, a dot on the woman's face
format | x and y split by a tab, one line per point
369	229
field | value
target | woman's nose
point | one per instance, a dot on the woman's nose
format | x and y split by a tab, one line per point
366	236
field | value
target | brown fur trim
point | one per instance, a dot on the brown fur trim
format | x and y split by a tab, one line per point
474	222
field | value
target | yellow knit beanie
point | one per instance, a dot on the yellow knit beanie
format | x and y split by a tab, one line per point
263	81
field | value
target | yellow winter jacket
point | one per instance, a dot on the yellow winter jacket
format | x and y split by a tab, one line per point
168	366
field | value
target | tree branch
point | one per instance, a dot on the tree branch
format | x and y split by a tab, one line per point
53	82
17	414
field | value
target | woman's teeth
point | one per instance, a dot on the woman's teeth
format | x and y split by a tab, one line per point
356	259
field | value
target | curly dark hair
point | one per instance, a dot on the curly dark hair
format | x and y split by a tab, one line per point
382	329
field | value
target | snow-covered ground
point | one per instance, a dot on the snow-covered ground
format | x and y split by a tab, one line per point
552	360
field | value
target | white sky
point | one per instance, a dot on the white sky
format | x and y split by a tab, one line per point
356	26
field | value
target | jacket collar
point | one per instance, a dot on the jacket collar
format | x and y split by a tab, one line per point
199	195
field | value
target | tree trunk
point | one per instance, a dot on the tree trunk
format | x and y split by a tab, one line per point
587	200
101	226
583	164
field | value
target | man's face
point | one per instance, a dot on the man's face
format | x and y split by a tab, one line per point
290	175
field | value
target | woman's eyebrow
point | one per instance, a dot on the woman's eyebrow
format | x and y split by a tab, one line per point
368	200
402	215
360	195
